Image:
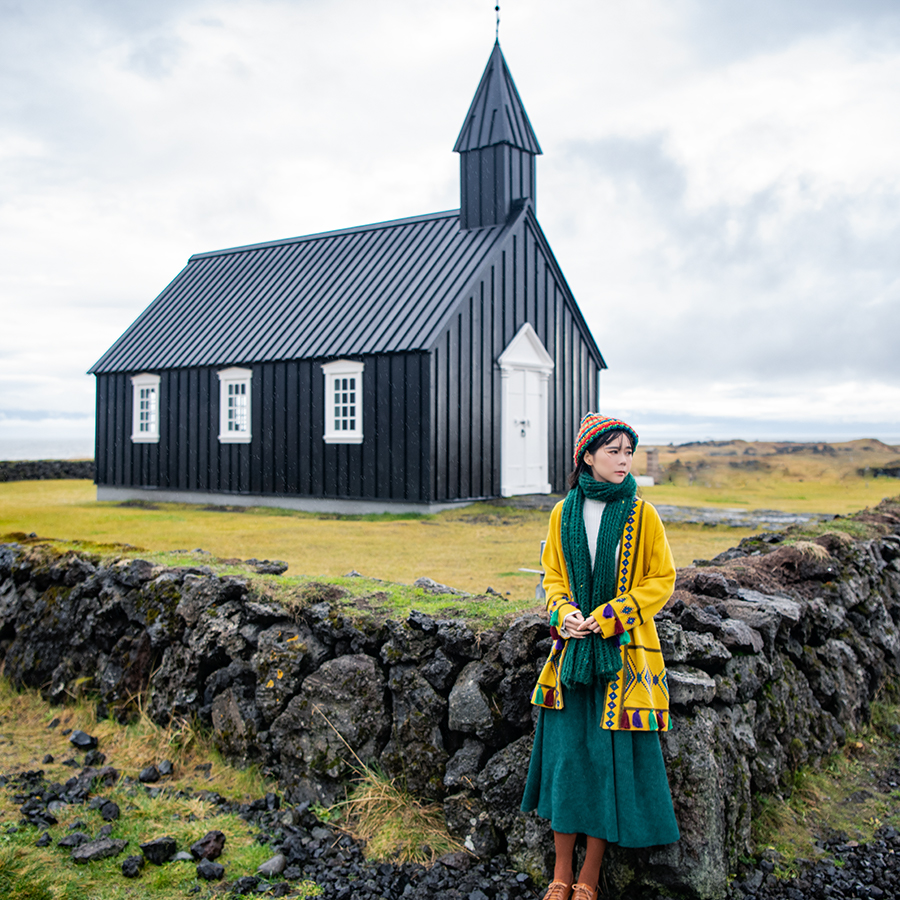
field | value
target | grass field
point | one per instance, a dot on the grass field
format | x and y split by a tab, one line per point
28	872
472	548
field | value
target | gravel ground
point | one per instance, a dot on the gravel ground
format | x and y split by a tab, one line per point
315	851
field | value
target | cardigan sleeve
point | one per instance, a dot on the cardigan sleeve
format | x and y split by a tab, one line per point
556	579
650	589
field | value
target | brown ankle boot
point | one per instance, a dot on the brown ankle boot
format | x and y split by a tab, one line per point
583	892
558	890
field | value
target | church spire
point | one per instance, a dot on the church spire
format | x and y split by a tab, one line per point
497	147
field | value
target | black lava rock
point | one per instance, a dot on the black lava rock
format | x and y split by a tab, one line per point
159	850
131	867
210	846
75	839
110	811
100	849
165	768
150	775
210	871
94	758
245	884
82	740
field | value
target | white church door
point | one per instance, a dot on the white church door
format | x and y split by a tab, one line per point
525	368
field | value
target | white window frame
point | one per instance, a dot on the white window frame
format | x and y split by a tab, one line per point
343	369
230	381
145	418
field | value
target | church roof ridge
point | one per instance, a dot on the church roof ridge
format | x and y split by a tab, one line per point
497	115
337	232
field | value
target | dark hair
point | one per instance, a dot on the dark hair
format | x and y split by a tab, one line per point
601	441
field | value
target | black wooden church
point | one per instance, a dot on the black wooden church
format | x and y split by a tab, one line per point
405	365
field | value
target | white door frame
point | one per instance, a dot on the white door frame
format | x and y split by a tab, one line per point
525	352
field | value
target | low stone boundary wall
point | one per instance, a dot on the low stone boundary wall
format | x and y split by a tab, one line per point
772	656
45	469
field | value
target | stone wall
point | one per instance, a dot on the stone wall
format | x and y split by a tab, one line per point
44	469
774	653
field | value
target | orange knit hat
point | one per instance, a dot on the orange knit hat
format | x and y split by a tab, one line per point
593	425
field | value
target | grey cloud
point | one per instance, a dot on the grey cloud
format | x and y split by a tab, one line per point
156	56
757	306
724	30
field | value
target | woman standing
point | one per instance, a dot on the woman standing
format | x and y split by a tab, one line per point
596	766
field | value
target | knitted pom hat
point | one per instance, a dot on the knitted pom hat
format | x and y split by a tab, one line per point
593	425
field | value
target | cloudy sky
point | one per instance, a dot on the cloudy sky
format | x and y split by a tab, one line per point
720	182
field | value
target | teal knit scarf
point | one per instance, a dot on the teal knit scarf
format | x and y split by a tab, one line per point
593	658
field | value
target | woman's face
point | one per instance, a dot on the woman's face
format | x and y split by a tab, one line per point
612	461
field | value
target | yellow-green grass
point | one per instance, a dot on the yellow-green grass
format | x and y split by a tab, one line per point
837	795
32	872
471	548
768	475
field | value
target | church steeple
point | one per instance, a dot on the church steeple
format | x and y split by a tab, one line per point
496	148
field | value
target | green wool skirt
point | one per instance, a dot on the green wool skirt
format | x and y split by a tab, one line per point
606	784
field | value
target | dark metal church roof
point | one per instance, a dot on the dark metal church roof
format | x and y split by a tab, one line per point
379	288
496	115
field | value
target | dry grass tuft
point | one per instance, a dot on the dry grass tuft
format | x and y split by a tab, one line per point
811	550
393	824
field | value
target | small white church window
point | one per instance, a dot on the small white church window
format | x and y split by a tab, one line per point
234	405
343	402
145	408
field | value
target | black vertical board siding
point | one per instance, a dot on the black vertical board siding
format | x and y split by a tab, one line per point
382	423
101	405
486	377
193	424
574	413
291	446
399	426
433	416
262	454
476	338
454	424
257	464
204	425
306	428
440	358
466	424
121	408
426	441
168	439
415	426
224	467
559	413
212	437
249	462
318	447
279	429
183	420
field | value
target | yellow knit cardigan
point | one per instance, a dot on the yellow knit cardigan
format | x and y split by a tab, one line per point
638	698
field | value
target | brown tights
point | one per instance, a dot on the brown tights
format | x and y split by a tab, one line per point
593	859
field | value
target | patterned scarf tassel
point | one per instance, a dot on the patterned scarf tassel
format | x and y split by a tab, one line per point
624	722
661	719
652	719
636	720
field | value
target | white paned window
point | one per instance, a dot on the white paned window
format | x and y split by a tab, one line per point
145	408
343	402
234	405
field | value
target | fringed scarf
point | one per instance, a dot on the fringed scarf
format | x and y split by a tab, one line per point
593	658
